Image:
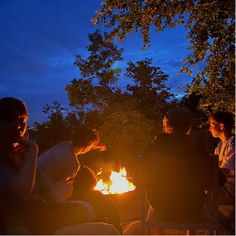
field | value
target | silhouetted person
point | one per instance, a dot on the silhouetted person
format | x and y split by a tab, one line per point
175	142
174	146
20	212
18	159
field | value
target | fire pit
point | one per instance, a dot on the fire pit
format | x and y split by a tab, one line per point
121	189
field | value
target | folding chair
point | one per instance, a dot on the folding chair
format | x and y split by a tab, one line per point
196	174
227	204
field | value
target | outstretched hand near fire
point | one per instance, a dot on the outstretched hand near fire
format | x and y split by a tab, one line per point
97	145
100	147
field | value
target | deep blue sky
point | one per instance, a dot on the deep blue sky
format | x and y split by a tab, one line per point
39	41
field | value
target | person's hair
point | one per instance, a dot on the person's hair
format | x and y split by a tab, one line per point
224	117
179	119
10	106
82	136
84	181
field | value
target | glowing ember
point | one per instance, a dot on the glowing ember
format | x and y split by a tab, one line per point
118	183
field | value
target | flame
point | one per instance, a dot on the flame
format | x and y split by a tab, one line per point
118	183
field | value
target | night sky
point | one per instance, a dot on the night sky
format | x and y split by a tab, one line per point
39	41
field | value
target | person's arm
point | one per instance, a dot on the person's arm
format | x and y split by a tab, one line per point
228	160
227	163
22	184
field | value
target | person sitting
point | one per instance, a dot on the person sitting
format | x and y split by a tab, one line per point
221	126
174	143
84	190
174	146
18	159
20	212
60	163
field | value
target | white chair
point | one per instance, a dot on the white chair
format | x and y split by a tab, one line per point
199	174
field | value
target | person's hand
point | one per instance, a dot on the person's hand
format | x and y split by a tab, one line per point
25	158
97	145
26	148
100	147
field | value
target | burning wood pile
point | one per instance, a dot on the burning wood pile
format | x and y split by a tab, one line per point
117	184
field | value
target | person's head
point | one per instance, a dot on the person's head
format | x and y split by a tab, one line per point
13	119
84	139
177	120
221	122
84	181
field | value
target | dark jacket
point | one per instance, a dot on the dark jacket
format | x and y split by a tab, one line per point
168	161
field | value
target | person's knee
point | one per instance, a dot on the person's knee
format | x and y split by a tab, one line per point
134	228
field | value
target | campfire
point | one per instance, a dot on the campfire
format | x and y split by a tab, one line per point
117	184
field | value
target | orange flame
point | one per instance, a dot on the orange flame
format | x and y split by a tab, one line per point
118	183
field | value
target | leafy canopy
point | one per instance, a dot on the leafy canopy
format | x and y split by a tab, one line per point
210	30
